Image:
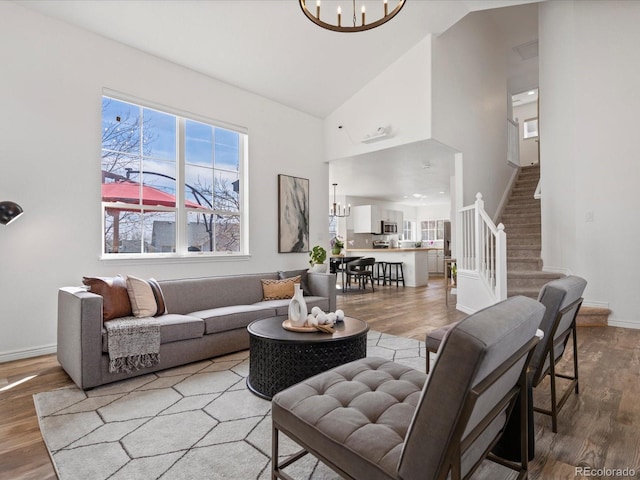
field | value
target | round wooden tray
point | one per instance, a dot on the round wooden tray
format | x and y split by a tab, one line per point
287	326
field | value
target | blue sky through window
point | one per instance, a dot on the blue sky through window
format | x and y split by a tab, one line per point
206	146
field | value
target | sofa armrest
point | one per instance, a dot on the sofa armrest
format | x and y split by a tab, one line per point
323	285
80	335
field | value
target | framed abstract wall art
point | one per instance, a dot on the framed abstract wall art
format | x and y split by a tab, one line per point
293	214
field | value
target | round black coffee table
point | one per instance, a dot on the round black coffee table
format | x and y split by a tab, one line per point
280	358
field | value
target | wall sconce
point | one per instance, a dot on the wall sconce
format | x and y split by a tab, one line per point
9	211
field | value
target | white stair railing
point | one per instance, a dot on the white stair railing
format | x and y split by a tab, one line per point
484	248
513	142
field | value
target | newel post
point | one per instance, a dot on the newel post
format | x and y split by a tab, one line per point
501	263
479	205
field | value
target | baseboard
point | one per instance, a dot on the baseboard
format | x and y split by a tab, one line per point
563	271
589	303
464	309
27	353
624	324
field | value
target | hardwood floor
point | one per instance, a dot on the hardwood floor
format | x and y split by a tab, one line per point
600	428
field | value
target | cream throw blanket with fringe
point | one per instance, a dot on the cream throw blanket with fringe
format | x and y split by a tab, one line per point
133	343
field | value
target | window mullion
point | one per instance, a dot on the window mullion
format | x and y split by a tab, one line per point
181	214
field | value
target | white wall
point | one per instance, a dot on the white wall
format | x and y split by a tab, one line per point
50	91
399	97
469	96
589	150
528	146
435	211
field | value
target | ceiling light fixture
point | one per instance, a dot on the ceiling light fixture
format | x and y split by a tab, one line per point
355	28
336	210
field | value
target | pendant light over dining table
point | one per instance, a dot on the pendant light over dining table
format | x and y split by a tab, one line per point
335	210
355	27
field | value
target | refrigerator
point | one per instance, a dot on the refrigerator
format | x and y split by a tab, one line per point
446	244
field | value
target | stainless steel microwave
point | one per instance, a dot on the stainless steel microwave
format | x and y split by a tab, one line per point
388	227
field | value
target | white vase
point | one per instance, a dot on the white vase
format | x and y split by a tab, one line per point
319	268
297	307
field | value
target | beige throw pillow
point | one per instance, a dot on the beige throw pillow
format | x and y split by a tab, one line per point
278	289
143	302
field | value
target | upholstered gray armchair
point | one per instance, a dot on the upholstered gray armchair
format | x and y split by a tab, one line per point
562	299
376	419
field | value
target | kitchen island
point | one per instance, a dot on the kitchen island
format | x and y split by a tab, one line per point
414	261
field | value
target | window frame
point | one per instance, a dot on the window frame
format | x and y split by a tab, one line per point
530	128
181	210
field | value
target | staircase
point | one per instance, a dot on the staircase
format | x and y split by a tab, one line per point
521	219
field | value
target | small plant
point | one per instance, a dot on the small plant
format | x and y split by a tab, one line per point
337	244
317	255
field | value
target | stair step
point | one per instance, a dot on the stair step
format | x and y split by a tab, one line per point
524	190
593	317
523	251
528	180
527	292
530	279
531	240
521	200
530	217
523	207
523	228
521	221
515	264
548	276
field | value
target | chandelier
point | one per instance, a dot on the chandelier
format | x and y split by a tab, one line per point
355	27
336	210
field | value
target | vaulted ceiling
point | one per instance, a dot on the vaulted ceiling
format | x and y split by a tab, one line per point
266	46
270	48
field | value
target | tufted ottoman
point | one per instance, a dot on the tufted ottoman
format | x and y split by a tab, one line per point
359	412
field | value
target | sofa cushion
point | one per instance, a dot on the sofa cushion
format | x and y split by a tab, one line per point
157	293
143	301
173	328
232	317
195	294
278	289
113	290
304	284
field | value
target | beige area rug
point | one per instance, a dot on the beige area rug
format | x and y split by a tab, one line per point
194	422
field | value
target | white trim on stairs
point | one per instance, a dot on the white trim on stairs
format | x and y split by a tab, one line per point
506	195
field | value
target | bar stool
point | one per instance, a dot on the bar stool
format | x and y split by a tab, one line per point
378	267
399	273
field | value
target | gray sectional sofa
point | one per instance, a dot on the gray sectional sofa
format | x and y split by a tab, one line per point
205	317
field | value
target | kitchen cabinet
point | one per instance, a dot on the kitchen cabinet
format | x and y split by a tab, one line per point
366	219
435	261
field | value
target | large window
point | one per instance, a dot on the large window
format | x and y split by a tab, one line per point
170	185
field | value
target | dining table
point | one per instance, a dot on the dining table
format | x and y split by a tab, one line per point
338	263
